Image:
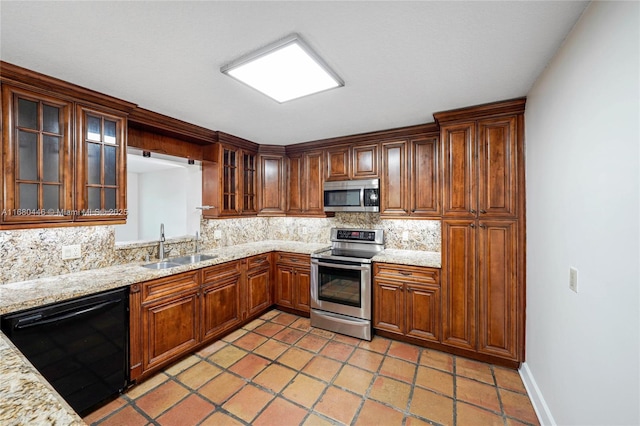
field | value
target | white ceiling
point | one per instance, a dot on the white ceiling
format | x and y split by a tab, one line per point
401	61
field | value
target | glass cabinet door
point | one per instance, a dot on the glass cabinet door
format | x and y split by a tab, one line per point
101	166
229	180
249	183
37	166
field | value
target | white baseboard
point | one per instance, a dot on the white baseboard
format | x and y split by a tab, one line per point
539	404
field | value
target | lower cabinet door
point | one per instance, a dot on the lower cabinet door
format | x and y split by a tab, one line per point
303	289
497	288
220	306
170	328
459	283
388	310
258	291
284	286
423	312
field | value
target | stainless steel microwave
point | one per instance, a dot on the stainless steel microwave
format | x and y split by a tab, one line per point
352	196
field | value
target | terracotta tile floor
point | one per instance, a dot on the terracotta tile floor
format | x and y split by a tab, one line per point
277	370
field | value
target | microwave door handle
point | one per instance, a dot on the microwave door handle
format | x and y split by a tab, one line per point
361	197
340	266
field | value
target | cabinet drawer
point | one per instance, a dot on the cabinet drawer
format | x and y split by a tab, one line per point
407	273
163	287
218	272
259	261
295	258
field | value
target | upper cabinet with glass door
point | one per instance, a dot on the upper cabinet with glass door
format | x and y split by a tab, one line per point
100	165
229	177
63	152
36	149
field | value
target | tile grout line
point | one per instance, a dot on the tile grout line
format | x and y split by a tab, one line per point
232	339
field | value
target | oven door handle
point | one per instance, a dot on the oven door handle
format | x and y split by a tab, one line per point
341	266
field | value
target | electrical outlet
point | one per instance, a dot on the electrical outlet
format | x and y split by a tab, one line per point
405	236
71	252
573	279
305	230
217	234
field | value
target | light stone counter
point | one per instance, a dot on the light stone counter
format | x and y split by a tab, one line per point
27	294
26	397
430	259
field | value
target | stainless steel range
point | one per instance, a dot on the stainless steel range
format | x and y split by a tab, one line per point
341	282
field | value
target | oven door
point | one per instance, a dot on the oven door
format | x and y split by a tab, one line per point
341	287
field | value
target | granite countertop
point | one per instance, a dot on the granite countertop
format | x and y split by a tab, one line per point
27	398
429	259
27	294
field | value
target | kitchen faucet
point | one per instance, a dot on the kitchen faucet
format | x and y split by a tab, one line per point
161	252
197	247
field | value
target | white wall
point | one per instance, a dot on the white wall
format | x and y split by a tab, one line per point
129	231
167	205
194	198
583	161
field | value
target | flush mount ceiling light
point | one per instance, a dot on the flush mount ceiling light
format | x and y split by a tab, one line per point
285	70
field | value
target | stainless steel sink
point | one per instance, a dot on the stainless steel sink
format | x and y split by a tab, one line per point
194	258
179	261
162	265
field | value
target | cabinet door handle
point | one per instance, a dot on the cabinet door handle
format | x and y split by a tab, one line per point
473	211
483	211
472	225
482	226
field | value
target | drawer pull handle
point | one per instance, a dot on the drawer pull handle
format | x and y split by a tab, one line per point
405	273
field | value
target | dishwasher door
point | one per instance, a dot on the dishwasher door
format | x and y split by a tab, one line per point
80	346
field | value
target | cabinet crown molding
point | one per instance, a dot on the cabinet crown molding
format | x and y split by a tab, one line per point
24	78
511	106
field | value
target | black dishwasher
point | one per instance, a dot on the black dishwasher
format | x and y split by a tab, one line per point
81	346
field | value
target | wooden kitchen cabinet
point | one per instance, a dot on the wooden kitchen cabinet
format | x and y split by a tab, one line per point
480	280
480	168
258	285
407	301
272	200
170	312
483	230
358	161
497	276
304	184
220	301
410	181
53	175
101	152
338	163
364	161
459	197
38	157
293	282
425	190
230	177
394	188
459	283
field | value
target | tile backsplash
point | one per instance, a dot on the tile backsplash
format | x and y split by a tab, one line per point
36	253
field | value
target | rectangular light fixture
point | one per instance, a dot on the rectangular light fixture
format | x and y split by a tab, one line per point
284	70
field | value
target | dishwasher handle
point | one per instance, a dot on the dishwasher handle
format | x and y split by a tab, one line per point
36	320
